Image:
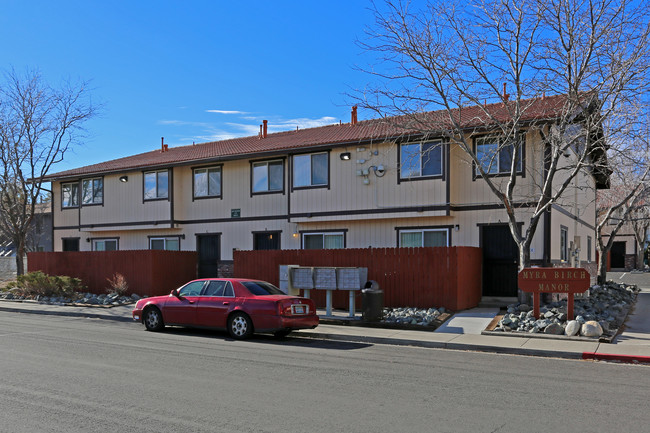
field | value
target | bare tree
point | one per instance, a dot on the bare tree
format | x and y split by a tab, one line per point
625	203
38	125
589	57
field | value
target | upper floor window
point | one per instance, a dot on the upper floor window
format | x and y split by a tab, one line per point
420	160
268	176
207	182
323	241
70	194
172	243
495	155
104	244
92	191
311	170
589	249
424	238
156	184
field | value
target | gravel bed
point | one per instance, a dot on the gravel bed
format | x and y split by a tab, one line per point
412	316
599	313
88	299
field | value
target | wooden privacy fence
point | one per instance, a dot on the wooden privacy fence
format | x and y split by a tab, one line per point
413	277
148	272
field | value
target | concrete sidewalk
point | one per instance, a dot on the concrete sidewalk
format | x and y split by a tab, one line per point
461	332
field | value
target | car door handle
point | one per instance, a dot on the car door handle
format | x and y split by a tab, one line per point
190	302
226	303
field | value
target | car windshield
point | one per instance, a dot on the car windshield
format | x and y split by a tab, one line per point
260	288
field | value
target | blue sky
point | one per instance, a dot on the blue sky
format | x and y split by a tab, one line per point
193	70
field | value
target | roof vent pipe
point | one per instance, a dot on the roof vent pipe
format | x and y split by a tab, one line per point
264	122
353	116
505	95
162	144
260	134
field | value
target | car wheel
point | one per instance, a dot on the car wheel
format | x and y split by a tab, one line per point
153	320
282	333
240	326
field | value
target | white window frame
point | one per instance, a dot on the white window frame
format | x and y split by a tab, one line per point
73	195
444	230
158	195
165	240
422	155
98	241
311	183
94	197
564	244
323	234
207	170
268	176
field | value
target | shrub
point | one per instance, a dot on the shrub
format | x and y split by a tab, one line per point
118	284
40	284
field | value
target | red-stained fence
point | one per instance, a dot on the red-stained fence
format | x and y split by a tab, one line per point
148	272
415	277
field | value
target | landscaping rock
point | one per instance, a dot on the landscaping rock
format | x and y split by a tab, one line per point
591	329
554	329
572	328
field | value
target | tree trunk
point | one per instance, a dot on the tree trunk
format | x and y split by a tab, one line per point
524	262
602	267
20	257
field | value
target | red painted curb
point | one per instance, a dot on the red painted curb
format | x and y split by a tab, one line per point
612	357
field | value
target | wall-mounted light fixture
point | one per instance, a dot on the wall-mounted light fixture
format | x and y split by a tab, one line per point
345	156
456	227
124	178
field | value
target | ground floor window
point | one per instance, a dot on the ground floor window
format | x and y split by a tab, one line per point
424	238
564	243
172	243
70	244
323	241
589	249
104	244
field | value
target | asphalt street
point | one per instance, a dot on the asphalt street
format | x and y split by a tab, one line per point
88	375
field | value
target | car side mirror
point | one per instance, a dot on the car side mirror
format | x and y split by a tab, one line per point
175	293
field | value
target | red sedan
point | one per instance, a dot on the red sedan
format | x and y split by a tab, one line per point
239	305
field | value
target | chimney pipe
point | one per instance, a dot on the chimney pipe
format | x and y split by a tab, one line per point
264	122
353	116
505	95
260	134
162	144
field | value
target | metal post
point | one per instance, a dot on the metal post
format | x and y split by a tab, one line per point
328	303
352	299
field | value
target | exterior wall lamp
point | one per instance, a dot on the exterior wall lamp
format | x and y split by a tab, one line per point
124	179
345	156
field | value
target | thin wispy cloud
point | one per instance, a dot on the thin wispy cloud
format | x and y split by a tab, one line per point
225	111
202	132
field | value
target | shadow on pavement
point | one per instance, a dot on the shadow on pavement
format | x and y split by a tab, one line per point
270	339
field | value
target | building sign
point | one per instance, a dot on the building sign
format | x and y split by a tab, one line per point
235	213
554	280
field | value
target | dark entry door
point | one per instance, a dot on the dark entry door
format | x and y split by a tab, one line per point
617	256
500	261
209	249
266	241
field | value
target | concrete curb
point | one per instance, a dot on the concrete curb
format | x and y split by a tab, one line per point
441	345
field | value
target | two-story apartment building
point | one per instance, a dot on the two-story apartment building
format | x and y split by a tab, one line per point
349	185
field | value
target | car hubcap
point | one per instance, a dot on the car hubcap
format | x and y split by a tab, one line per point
239	326
152	319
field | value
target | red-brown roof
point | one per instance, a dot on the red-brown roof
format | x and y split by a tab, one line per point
324	136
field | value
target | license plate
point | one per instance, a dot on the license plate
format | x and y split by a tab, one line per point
299	309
